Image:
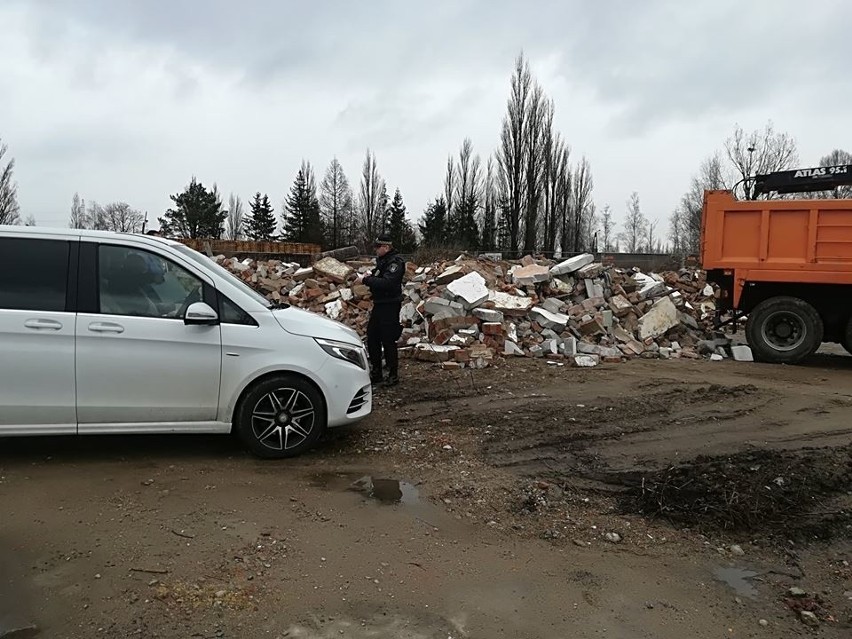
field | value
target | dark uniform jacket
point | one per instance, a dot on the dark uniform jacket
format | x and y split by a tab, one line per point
386	280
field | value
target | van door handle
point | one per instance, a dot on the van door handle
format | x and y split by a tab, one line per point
106	327
43	324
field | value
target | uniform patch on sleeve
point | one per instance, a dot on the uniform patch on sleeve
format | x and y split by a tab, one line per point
393	268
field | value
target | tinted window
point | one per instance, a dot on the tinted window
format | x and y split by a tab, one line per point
33	274
136	282
230	313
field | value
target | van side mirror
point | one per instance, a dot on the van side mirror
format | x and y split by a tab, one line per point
200	314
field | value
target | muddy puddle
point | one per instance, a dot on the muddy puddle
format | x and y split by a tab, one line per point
387	491
379	489
738	580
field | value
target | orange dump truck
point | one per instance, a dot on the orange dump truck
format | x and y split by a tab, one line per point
785	263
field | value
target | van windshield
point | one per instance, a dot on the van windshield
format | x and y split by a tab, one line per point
208	263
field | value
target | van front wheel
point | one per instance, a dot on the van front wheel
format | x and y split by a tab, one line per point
282	416
784	330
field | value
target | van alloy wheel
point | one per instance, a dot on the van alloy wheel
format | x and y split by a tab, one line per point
281	416
283	419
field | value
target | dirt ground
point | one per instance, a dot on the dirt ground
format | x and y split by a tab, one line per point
648	499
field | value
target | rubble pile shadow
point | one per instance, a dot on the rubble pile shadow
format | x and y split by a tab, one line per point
803	494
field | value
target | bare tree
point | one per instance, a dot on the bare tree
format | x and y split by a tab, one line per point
539	112
488	241
591	228
336	205
557	179
469	174
607	229
450	188
511	155
96	217
370	198
650	245
79	219
236	220
468	196
634	225
838	157
685	223
30	220
10	212
121	218
758	153
579	206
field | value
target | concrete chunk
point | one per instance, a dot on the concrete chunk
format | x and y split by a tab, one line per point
510	304
408	313
742	353
334	309
303	273
488	315
333	269
441	308
586	361
556	321
590	271
572	264
510	348
470	289
662	317
595	349
553	305
530	275
451	274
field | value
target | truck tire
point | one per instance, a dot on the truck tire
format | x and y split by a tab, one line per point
847	337
784	330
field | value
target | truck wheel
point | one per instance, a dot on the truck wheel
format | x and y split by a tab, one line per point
847	337
282	416
784	330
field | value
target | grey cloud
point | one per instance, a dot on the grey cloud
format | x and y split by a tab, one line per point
654	60
685	60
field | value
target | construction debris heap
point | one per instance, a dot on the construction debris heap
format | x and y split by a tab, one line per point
468	312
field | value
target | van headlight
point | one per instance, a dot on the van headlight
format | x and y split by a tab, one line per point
344	351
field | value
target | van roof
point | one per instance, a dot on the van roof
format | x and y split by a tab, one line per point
35	231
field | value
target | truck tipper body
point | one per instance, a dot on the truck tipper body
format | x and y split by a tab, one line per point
784	263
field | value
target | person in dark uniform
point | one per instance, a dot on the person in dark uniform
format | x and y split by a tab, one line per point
383	328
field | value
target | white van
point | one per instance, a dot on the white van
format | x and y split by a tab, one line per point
116	333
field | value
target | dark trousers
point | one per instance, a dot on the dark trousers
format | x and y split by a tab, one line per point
383	330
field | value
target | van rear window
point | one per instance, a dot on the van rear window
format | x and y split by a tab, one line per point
33	274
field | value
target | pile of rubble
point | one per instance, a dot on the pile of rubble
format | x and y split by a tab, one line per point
468	312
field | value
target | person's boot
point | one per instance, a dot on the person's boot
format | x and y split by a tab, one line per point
393	379
376	376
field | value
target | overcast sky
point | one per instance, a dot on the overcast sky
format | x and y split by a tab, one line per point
127	99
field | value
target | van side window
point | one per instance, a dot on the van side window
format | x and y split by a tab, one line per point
33	274
135	282
230	313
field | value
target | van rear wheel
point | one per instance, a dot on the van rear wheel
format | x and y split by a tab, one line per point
282	416
784	330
